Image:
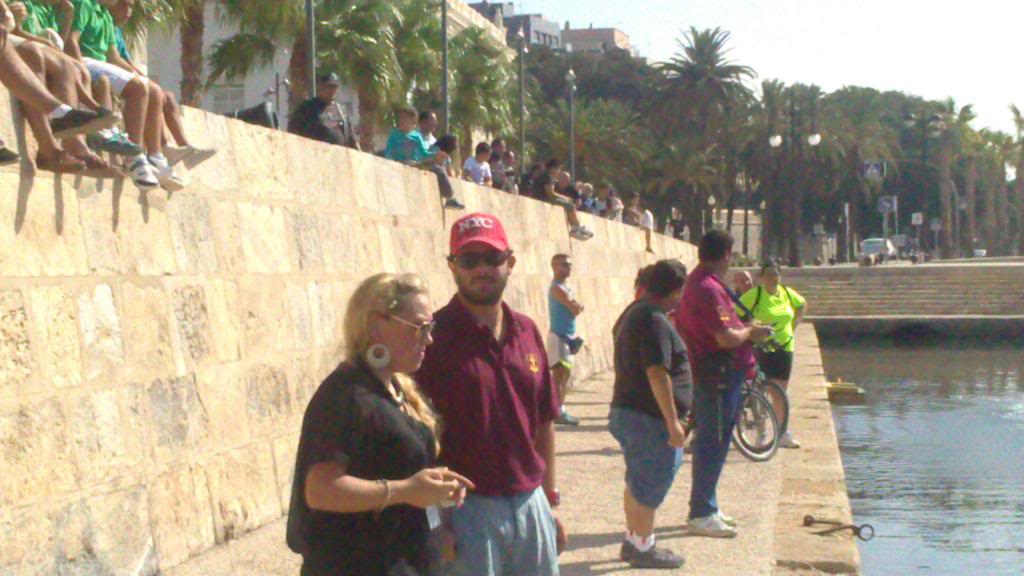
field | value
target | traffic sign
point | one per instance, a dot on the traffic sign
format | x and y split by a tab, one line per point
887	204
873	170
917	219
935	225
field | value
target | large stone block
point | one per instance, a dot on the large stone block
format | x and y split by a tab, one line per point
223	393
41	235
220	173
102	345
302	320
263	171
193	322
364	180
16	364
56	323
269	397
264	237
313	170
192	234
266	320
149	348
35	454
181	514
103	451
227	237
179	417
225	320
243	490
306	227
119	539
285	448
391	187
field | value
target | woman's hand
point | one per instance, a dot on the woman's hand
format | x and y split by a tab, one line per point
432	486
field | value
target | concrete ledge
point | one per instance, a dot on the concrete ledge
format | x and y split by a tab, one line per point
940	326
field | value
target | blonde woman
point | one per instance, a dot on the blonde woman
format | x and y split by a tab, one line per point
366	494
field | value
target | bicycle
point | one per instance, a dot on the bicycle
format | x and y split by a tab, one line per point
757	432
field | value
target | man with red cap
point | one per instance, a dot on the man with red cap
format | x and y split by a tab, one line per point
487	375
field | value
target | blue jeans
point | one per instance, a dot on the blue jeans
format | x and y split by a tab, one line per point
504	536
714	411
651	464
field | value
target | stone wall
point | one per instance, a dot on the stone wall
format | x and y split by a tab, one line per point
156	354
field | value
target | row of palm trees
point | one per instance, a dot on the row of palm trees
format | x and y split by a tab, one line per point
389	52
680	131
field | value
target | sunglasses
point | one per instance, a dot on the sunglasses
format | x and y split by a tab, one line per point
423	329
472	260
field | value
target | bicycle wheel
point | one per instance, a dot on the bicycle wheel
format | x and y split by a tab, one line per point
777	395
756	435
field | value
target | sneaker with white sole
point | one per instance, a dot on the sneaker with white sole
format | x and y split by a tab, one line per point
143	174
581	233
711	526
787	441
165	175
729	520
193	154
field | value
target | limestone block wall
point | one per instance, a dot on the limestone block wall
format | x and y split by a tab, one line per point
157	353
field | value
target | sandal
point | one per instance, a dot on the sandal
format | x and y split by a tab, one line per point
96	167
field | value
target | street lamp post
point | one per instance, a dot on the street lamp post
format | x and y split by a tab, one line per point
311	46
444	65
570	77
522	102
711	213
793	201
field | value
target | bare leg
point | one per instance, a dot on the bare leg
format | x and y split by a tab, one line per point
102	93
561	374
136	103
172	118
639	518
23	84
154	119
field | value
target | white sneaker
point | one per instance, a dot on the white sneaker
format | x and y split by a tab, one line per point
165	175
143	174
728	520
787	441
194	154
711	526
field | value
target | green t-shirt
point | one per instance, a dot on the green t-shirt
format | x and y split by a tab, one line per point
777	311
40	17
96	25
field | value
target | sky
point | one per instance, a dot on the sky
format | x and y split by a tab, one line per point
936	49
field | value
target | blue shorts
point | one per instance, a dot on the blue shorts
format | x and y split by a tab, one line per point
651	464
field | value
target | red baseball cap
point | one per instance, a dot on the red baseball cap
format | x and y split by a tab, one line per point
478	227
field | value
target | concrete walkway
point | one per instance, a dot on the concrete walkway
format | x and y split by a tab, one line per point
769	500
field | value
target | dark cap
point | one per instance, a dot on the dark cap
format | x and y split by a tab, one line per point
329	80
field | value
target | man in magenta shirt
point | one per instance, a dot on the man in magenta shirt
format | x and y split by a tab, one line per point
487	375
721	354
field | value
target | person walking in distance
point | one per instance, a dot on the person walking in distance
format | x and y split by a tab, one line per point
651	400
721	353
782	308
562	340
487	375
367	493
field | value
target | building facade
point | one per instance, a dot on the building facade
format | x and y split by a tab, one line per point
596	40
538	30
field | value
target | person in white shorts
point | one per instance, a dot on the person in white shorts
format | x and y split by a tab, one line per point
563	343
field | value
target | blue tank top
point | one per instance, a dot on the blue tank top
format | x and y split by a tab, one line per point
563	322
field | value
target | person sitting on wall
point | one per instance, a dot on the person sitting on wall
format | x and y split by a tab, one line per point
406	145
477	168
321	118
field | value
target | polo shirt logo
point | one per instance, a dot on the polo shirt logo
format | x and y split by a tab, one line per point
473	223
723	313
534	363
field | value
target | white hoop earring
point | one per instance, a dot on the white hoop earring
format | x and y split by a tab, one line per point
378	356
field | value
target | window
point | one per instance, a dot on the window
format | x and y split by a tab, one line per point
227	98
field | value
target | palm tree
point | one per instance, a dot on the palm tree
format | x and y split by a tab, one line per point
955	125
1018	158
482	85
262	25
357	39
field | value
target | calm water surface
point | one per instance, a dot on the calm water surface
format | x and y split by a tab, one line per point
935	458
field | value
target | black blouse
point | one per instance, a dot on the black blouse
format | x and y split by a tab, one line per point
353	420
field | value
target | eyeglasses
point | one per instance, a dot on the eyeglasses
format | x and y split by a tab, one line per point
423	329
472	260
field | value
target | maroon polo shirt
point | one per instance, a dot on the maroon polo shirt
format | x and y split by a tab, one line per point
704	310
492	398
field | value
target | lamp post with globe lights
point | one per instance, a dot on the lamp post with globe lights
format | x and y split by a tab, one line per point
794	194
570	78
